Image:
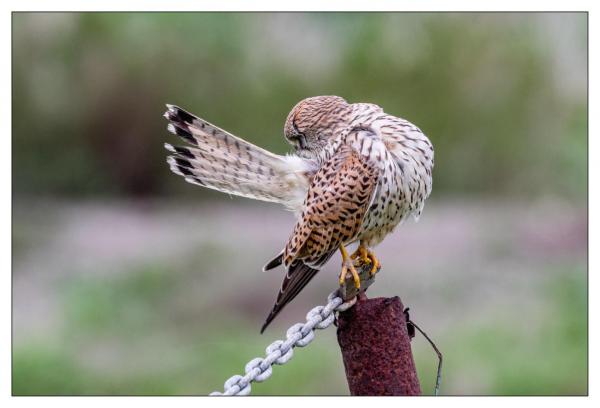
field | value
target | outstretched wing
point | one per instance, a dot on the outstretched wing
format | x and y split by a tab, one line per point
337	200
219	160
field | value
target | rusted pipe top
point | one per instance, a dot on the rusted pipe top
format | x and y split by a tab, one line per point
376	350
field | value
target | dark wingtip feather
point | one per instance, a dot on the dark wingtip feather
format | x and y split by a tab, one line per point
175	113
180	166
297	276
184	152
267	322
180	150
273	263
180	130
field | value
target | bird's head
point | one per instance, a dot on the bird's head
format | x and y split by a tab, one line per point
314	121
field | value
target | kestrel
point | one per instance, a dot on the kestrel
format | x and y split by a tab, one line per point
355	174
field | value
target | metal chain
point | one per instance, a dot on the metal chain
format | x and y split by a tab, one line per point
281	351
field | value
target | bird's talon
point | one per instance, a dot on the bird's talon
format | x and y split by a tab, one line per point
376	264
347	265
356	281
363	254
373	270
343	275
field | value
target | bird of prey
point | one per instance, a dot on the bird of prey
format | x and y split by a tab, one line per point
356	173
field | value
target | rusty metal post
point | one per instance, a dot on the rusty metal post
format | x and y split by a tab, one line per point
376	348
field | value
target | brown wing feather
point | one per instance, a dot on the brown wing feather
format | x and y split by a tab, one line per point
337	200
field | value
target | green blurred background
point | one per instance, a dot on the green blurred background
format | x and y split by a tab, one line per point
127	280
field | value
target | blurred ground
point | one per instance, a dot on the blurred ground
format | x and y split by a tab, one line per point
163	298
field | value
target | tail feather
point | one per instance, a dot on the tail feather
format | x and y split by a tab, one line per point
296	278
224	179
219	160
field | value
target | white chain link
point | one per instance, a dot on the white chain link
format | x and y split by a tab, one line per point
281	351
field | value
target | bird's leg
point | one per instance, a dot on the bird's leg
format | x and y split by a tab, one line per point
347	265
367	257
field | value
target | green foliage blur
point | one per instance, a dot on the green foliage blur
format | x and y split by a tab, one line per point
504	106
129	281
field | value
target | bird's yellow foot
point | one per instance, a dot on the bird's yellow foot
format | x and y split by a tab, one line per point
362	253
347	265
367	257
375	261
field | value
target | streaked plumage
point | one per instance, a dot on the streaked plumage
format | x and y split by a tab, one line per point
357	172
